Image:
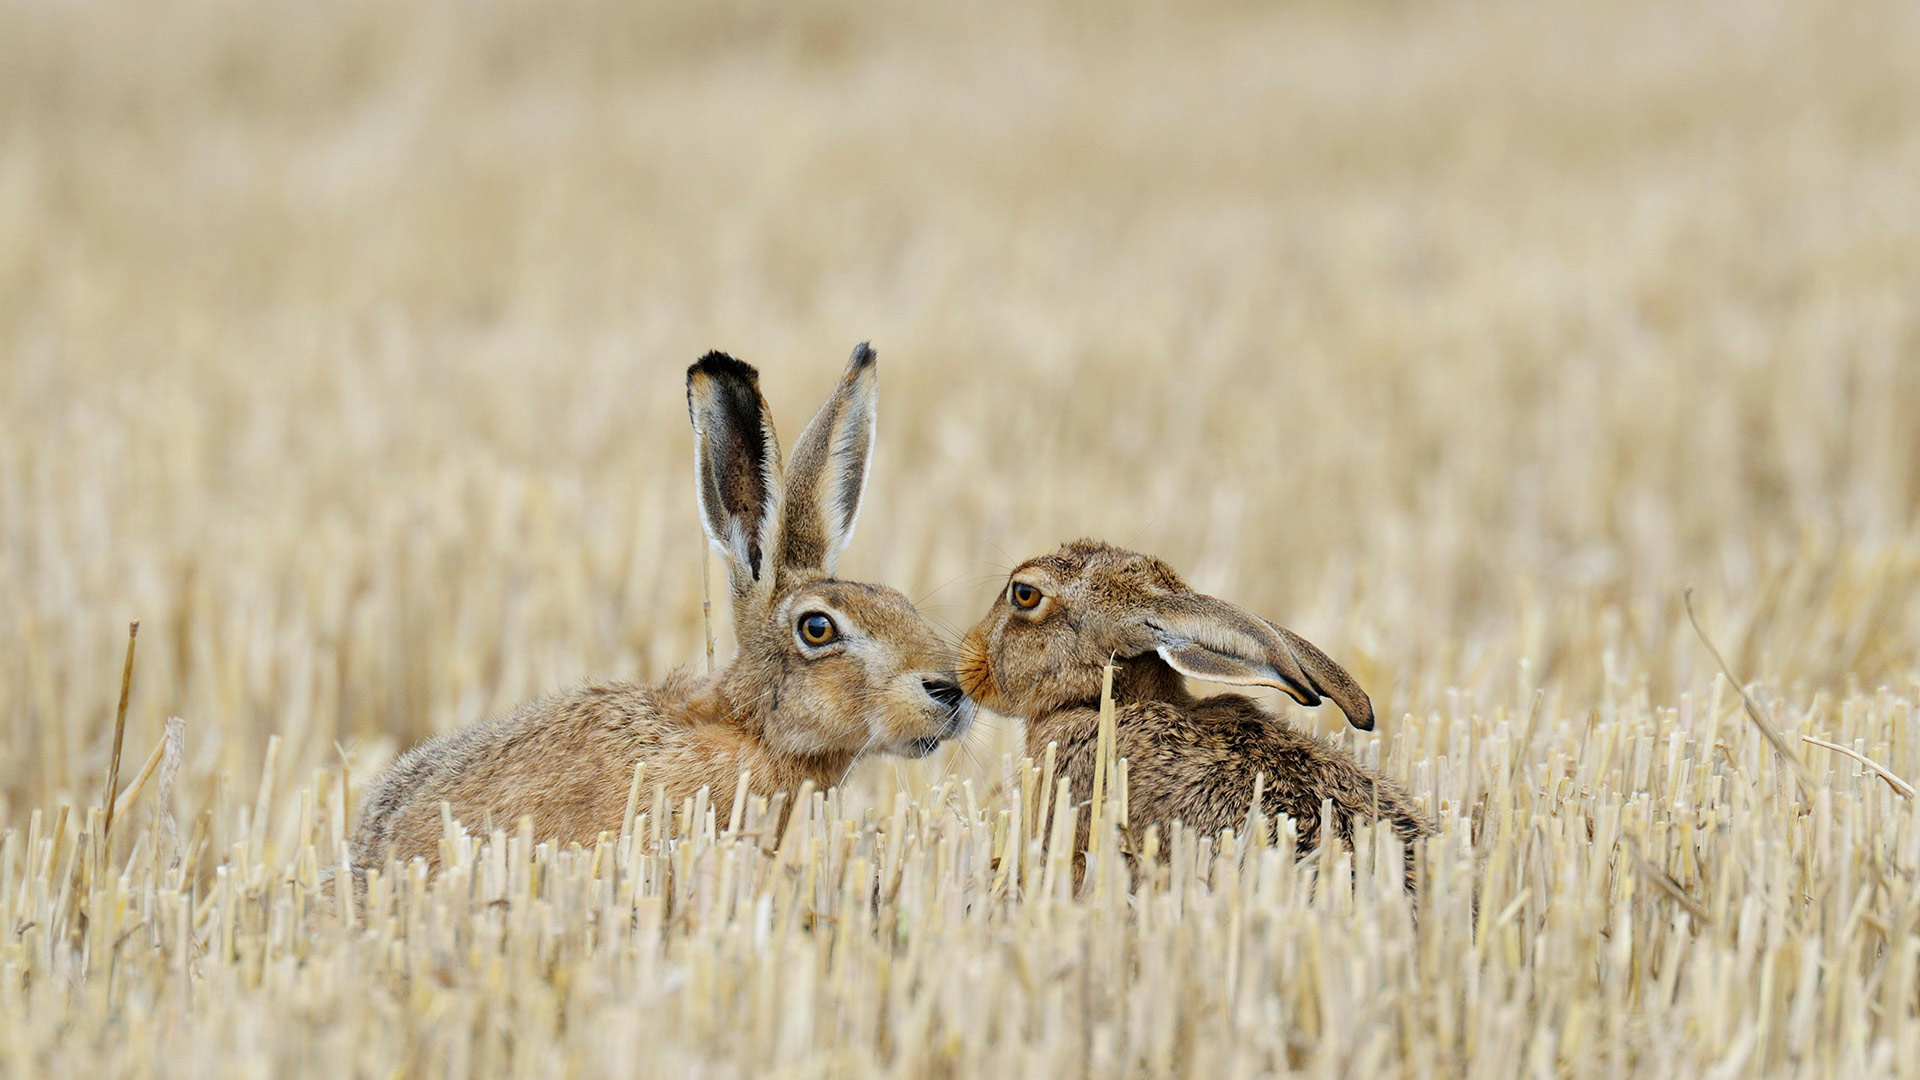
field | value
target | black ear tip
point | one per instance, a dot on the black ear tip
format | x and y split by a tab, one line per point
1364	720
719	365
863	357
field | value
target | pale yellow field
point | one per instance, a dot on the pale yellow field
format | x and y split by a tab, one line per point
342	346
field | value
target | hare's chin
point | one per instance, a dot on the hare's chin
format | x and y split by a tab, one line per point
958	722
919	748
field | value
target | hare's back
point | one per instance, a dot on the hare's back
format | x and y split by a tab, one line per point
565	761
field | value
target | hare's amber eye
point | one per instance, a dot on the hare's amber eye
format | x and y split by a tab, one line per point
817	629
1024	596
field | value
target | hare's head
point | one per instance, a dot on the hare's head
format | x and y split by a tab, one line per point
1063	616
827	668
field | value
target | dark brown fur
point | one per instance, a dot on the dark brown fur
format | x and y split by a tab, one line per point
1189	759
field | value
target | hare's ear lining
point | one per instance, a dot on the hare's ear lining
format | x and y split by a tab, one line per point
1225	652
736	465
828	474
1206	638
1200	662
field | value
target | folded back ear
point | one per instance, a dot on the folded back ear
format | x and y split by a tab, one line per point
828	473
1329	678
1203	637
736	466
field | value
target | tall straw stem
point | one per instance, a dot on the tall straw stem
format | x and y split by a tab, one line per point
706	601
1102	763
119	739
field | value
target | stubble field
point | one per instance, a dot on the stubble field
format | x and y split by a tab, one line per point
342	346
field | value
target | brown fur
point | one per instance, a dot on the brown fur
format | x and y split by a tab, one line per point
1189	759
783	711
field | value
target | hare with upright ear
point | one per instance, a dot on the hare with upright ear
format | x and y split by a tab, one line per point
1039	654
826	669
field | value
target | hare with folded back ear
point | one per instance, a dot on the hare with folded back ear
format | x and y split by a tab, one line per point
1039	654
826	670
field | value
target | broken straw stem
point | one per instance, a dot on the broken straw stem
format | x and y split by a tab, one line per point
125	798
1772	734
1899	786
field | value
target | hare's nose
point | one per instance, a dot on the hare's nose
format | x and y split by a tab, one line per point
945	691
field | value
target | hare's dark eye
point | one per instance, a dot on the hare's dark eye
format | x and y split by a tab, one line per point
1023	596
817	629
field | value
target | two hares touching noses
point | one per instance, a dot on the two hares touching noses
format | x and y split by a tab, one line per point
829	670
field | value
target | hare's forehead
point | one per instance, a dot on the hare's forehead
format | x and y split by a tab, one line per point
1105	573
873	606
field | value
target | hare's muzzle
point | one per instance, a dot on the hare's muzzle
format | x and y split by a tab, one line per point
976	671
951	711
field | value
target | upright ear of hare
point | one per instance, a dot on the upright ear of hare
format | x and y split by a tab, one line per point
736	471
826	671
828	477
1040	653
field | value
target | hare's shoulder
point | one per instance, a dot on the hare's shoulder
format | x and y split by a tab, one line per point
1301	768
593	713
1229	725
1224	741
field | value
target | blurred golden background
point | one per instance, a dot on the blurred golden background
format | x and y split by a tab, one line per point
343	344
